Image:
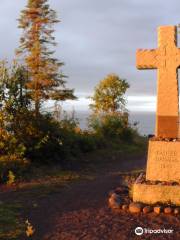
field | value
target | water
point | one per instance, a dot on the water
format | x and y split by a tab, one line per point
141	108
146	120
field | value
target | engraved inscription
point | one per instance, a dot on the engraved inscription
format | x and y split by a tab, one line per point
163	161
161	155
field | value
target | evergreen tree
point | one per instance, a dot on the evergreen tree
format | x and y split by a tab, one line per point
46	81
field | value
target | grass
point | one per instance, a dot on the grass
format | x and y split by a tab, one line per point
11	225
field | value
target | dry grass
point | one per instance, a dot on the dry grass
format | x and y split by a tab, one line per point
11	224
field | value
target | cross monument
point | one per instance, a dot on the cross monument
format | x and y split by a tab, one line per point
162	181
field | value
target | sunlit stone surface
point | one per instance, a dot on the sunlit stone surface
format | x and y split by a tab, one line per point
166	59
162	183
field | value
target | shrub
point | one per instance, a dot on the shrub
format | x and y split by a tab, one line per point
112	127
87	142
11	178
11	155
47	140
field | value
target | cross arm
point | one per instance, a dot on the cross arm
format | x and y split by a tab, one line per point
146	59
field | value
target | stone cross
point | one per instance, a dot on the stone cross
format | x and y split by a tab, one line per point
166	59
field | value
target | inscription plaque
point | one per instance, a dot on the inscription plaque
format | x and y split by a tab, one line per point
163	161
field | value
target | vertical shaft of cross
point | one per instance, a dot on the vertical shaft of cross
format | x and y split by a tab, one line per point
167	90
166	59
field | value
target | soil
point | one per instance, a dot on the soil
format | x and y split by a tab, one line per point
79	211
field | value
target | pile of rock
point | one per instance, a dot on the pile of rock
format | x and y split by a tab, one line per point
153	138
142	179
116	202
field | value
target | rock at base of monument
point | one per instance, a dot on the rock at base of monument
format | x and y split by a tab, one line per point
152	194
163	161
157	209
135	207
168	210
147	209
176	211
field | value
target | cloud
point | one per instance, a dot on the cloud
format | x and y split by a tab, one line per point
134	104
98	37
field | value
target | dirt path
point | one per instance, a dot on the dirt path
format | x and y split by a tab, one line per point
79	211
60	215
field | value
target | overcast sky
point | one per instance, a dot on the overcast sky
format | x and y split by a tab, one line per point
97	37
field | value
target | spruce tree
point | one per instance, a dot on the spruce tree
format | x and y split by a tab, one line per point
46	79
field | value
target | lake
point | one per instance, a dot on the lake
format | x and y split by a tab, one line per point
146	120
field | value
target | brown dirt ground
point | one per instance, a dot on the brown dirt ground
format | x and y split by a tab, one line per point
79	210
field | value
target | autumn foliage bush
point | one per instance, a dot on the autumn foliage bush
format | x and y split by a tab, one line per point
11	155
47	140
